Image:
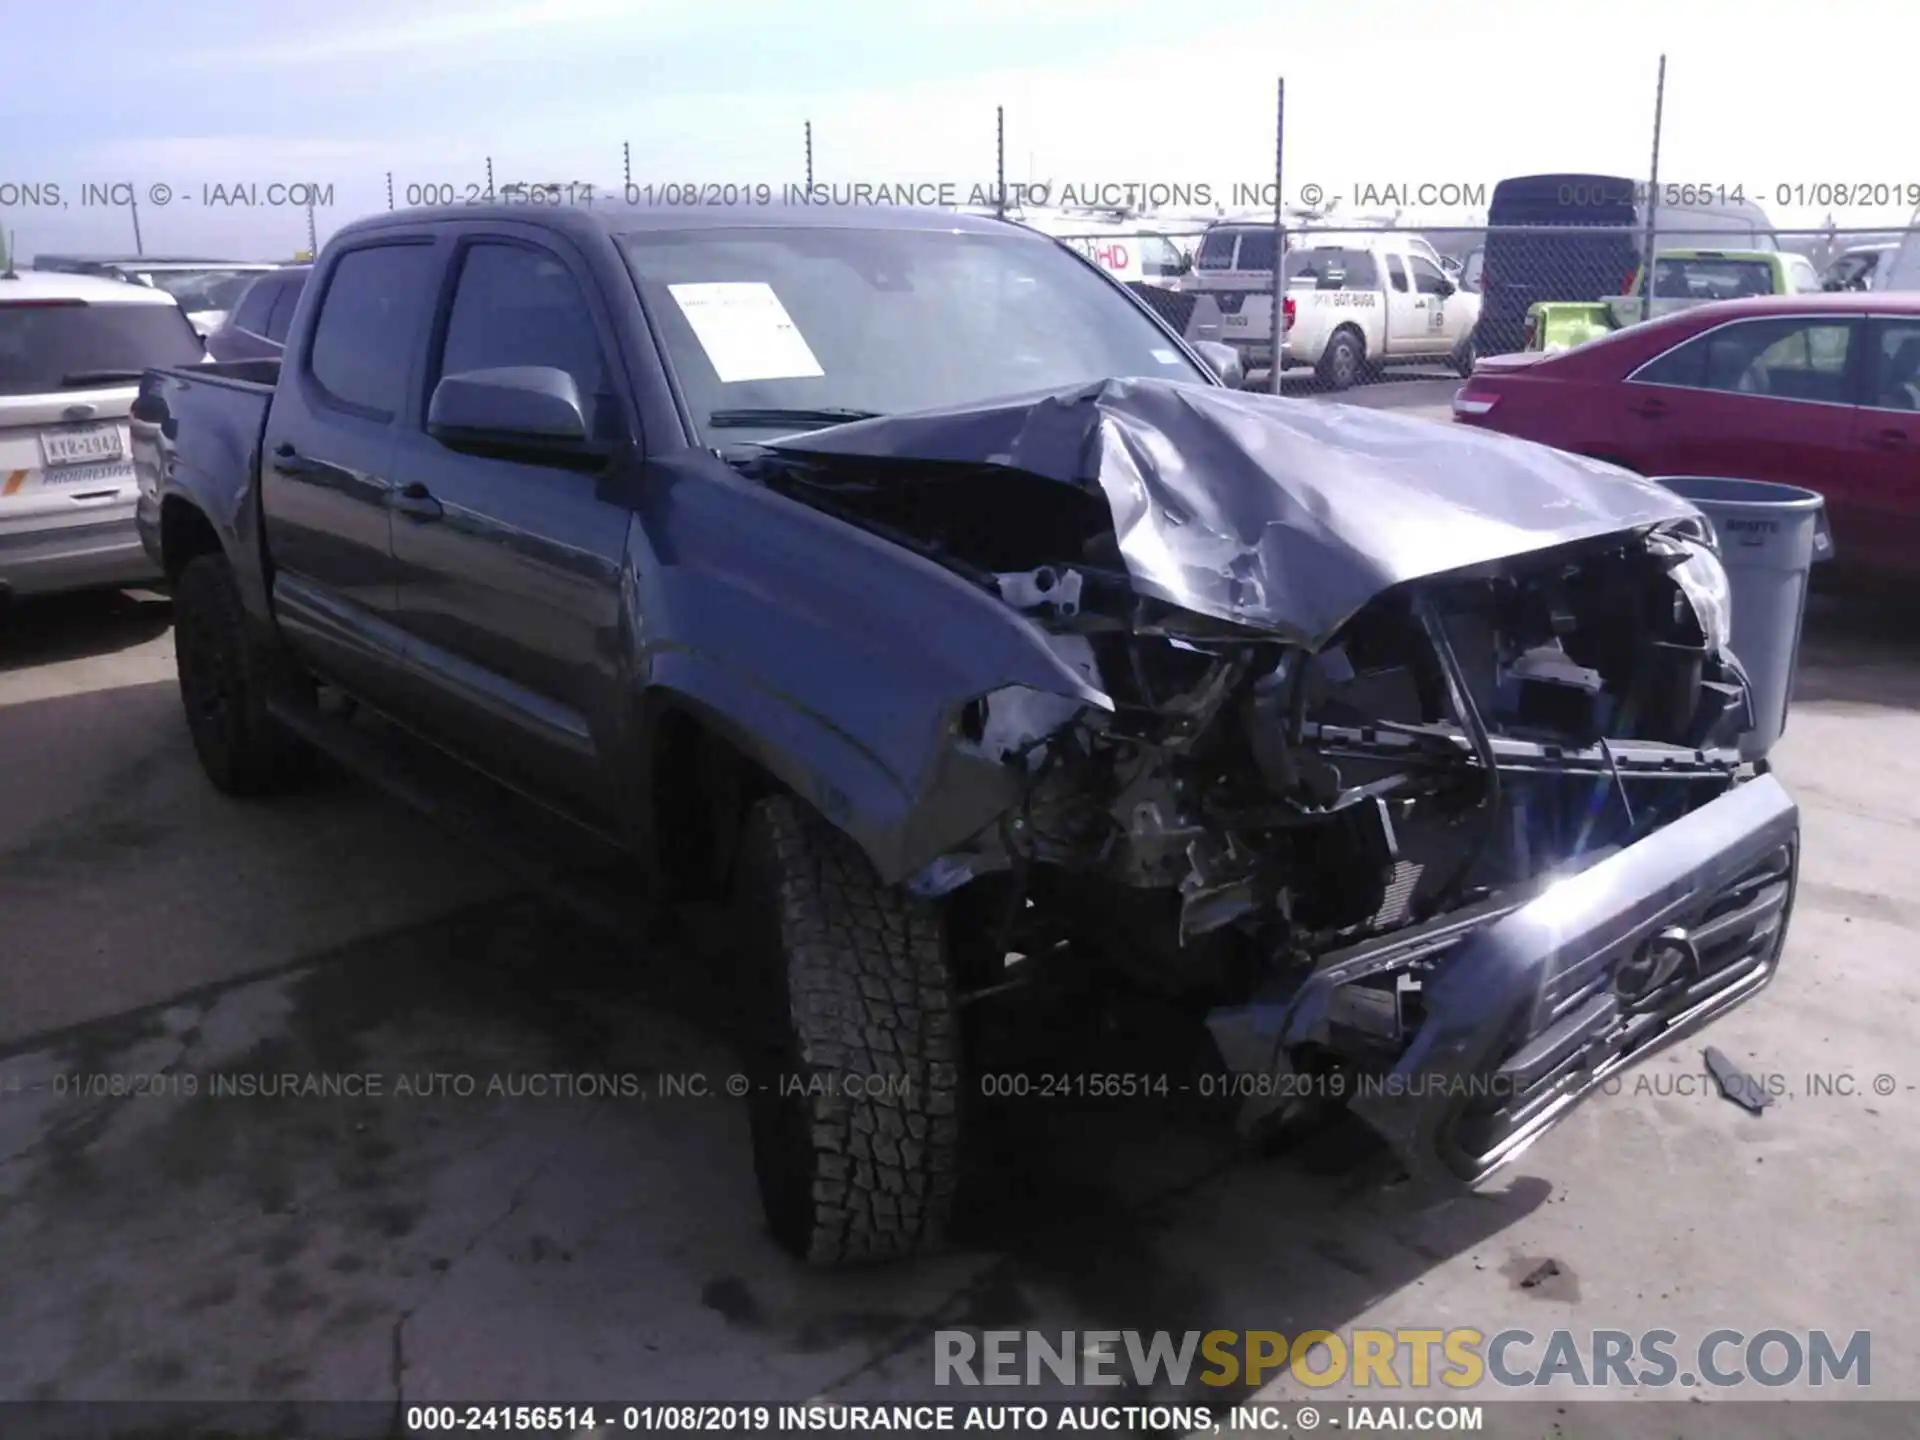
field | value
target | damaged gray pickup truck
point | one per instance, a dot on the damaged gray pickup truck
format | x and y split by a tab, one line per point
904	582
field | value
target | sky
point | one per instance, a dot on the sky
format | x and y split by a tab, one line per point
210	114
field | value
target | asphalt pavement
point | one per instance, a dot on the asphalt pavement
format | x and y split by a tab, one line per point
488	1224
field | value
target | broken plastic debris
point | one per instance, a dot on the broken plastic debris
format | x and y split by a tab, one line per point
1735	1084
1540	1274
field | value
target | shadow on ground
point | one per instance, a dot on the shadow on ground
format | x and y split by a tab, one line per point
46	631
1859	648
471	1231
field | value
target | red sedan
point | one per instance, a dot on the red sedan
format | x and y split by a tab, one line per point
1815	390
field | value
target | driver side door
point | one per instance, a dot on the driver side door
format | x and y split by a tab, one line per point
1438	321
1406	310
509	566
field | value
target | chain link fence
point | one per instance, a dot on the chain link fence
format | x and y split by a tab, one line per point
1366	300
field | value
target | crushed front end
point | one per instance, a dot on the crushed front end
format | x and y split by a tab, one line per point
1461	853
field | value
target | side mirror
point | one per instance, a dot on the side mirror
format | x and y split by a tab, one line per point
1447	287
534	405
1223	360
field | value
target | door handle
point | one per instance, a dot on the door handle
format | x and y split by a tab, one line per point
1891	439
416	502
1651	409
289	461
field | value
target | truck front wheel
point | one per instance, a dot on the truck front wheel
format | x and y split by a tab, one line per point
1342	361
226	674
853	1045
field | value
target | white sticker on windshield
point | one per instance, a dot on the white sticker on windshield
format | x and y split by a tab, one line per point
1166	357
746	331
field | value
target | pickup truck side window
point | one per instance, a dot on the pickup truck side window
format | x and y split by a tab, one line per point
518	306
286	295
363	342
1428	278
1397	273
256	306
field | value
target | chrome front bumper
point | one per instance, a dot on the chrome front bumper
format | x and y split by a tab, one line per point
1526	1008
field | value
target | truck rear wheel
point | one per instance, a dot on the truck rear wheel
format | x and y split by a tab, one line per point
1463	357
853	1045
226	673
1343	360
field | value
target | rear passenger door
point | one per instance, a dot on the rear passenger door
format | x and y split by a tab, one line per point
511	568
327	455
1762	399
1886	452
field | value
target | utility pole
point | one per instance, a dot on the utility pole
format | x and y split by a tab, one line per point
1278	326
1653	193
1000	161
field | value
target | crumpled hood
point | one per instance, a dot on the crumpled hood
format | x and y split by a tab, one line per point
1285	515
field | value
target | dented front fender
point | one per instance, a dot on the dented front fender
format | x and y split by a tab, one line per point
836	660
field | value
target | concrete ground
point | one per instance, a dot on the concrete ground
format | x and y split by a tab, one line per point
468	1232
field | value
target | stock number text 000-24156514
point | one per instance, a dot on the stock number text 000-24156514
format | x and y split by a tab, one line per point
572	1419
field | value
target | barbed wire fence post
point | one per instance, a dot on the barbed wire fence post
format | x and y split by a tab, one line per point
1000	161
133	204
809	160
626	170
1653	193
489	177
1277	326
389	190
313	238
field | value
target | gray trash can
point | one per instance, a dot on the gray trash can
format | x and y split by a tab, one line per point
1770	538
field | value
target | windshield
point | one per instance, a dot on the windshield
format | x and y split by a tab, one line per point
202	289
1702	279
816	318
49	347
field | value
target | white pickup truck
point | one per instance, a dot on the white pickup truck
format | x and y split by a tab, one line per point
1354	303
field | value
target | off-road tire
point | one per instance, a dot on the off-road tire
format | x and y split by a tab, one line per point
853	1049
1343	361
226	672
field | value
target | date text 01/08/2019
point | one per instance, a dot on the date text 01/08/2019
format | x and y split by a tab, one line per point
1837	194
1234	1085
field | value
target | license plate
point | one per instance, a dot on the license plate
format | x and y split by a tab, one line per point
1234	322
80	445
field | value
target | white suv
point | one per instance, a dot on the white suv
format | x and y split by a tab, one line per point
72	350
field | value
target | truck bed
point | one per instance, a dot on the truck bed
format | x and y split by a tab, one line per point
200	427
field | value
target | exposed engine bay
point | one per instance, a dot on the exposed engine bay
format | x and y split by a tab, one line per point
1291	773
